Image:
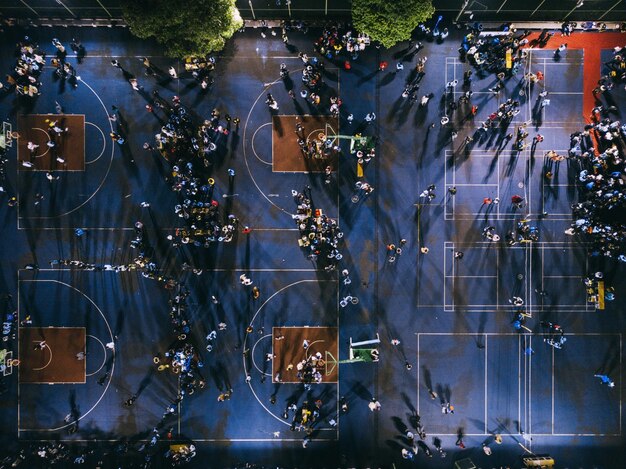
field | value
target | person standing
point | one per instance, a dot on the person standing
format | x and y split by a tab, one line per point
130	401
374	405
40	345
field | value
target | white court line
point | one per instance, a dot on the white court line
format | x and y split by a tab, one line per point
104	142
444	283
71	229
523	425
519	378
18	350
255	440
269	163
252	354
559	244
467	276
530	390
564	276
275	229
528	279
545	85
473	185
104	360
49	360
512	307
499	169
547	61
206	270
497	277
534	434
485	153
418	373
543	277
552	390
486	364
217	440
518	334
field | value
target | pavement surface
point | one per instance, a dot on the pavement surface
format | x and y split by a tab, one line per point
452	317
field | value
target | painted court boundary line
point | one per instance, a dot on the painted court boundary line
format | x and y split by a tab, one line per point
529	252
527	382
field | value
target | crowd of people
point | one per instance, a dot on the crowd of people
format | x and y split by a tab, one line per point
31	60
316	147
617	66
192	148
489	53
308	369
600	215
332	42
319	234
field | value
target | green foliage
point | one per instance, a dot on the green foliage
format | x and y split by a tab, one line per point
185	27
390	21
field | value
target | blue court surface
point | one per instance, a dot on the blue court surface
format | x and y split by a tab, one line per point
444	325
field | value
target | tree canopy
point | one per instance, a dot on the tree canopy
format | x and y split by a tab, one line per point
185	27
390	21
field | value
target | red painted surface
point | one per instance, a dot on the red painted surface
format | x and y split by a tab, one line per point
592	44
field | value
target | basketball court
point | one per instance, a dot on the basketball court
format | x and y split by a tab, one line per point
451	317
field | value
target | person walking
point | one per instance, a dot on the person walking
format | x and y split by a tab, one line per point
606	380
559	51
